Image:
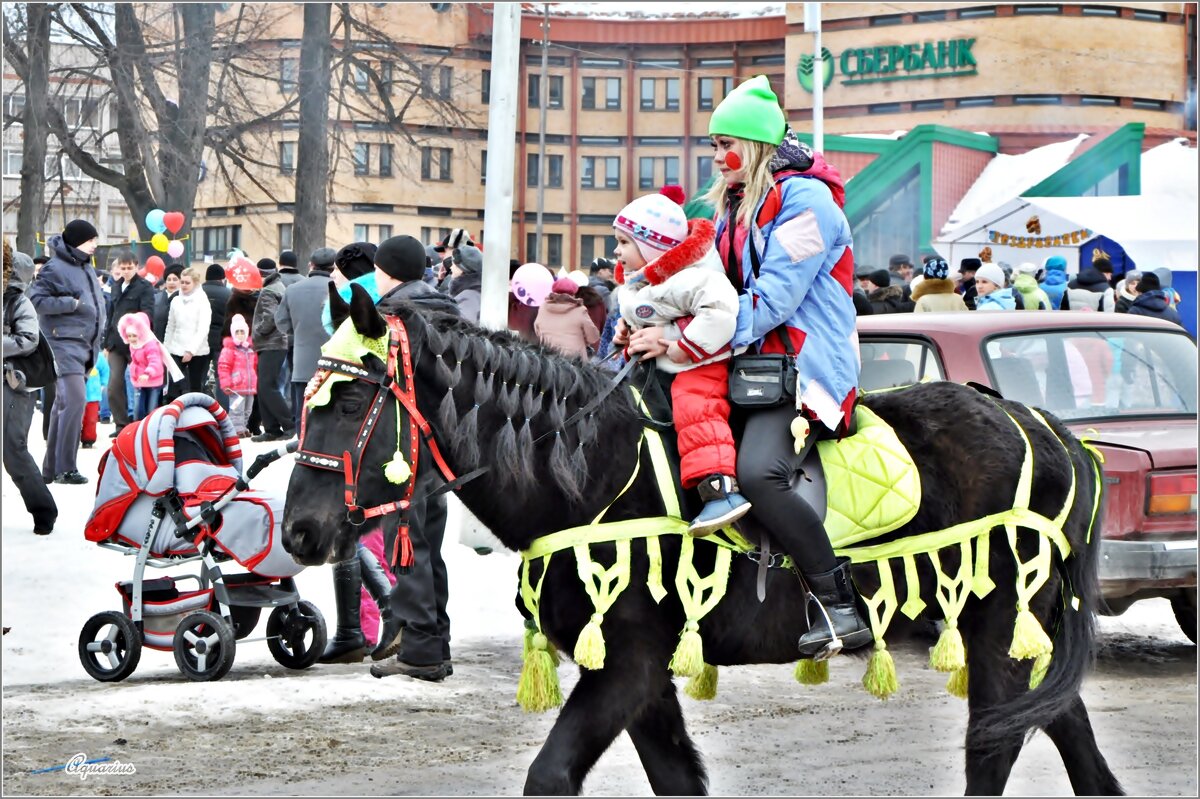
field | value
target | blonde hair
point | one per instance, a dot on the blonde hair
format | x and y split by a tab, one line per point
193	273
757	156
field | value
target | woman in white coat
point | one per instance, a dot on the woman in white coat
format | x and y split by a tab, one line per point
187	333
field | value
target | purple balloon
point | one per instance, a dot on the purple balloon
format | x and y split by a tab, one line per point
531	283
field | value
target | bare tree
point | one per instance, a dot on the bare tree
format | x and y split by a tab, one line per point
33	64
312	149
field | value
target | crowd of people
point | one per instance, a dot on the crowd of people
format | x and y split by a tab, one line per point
769	275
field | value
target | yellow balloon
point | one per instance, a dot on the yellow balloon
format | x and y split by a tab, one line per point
160	242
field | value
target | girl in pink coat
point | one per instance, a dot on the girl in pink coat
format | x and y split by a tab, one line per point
147	364
237	371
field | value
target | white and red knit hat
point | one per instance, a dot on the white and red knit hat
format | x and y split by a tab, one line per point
655	222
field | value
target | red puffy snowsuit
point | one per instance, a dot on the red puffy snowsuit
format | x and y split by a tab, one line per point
685	291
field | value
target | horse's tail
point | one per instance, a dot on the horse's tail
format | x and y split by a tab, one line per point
1071	622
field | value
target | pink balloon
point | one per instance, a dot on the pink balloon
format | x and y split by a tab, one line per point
531	283
175	249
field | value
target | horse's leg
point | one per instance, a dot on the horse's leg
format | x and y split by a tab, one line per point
671	760
1087	768
603	703
994	679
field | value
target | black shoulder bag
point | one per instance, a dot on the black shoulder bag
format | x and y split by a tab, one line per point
759	380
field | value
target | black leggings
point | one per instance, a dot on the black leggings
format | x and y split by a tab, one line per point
766	471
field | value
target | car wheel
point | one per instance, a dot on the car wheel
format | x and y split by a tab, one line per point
1184	605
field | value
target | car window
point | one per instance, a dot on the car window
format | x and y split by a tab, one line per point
901	362
1097	373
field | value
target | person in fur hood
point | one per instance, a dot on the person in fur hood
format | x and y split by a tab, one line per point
671	276
936	291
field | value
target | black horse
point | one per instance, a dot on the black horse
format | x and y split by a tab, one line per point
496	401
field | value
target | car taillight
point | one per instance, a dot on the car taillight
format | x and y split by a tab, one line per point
1171	494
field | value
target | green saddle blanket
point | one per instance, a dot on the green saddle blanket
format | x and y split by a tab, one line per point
872	484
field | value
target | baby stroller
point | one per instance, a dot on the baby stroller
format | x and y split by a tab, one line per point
171	491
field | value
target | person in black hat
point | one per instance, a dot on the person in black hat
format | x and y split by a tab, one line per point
70	306
883	296
271	344
301	303
218	298
966	269
289	271
1153	301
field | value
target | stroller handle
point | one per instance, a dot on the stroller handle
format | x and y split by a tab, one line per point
261	462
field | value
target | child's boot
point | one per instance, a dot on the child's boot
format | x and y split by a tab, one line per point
723	505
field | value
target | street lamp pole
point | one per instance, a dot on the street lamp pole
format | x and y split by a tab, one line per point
812	23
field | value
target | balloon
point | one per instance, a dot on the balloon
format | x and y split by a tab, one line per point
175	249
154	221
242	274
579	276
174	221
155	268
159	242
531	283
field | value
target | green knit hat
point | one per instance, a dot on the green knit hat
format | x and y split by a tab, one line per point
751	111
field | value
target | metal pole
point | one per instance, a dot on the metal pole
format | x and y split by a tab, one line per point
502	139
812	22
543	93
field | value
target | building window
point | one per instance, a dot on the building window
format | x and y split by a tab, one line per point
646	173
1100	11
593	247
554	171
884	108
647	94
362	81
704	169
767	60
553	242
487	87
287	158
386	75
587	172
672	94
362	158
218	241
14	107
435	81
887	19
385	232
588	96
385	160
704	94
1036	99
1091	100
975	102
612	94
285	236
554	99
671	170
435	163
1150	105
931	16
928	105
976	13
612	172
1021	9
430	235
362	232
289	71
483	170
12	162
531	169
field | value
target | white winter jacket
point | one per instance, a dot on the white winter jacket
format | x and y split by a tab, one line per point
187	324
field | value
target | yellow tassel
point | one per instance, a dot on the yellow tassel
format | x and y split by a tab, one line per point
1029	639
1040	666
880	678
948	654
812	672
589	649
397	470
689	655
538	689
957	684
704	685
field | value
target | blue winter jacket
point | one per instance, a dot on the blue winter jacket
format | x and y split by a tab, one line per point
1055	285
70	307
998	300
795	286
97	379
1155	303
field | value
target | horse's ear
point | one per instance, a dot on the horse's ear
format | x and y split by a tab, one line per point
367	320
339	309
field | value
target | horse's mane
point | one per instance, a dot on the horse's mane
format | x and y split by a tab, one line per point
524	382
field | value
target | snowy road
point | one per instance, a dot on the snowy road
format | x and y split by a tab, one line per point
263	730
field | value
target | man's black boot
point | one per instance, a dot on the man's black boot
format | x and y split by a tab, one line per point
834	621
380	588
348	644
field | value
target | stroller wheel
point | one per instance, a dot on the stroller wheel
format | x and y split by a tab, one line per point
296	635
110	646
204	646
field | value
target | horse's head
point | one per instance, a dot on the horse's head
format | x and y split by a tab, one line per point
319	524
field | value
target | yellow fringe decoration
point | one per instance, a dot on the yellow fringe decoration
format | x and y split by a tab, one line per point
688	659
957	684
1040	666
538	689
880	678
704	685
589	649
812	672
397	469
949	653
1029	639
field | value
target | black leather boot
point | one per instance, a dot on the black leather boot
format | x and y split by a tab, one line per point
380	589
347	644
834	622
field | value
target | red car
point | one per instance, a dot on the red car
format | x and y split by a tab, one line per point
1127	382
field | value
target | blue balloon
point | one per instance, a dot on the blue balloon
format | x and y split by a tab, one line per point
154	221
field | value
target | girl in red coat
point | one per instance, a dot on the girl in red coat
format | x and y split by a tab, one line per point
147	361
237	370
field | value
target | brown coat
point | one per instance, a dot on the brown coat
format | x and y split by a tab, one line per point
932	294
565	325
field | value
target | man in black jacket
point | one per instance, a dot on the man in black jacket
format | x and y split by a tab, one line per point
130	293
218	297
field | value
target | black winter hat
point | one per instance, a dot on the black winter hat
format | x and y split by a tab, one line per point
969	264
173	269
214	272
881	278
1148	282
266	265
78	231
899	260
355	260
402	257
288	258
601	263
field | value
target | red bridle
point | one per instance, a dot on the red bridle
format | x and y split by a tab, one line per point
397	381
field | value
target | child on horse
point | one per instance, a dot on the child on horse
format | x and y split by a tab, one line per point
671	277
785	245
